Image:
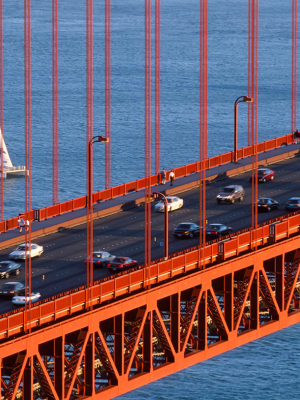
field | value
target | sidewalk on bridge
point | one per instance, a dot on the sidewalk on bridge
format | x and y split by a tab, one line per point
131	200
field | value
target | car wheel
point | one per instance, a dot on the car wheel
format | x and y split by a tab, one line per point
269	209
241	198
17	272
6	275
263	180
232	201
191	235
219	201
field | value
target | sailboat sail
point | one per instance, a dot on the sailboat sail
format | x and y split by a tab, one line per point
6	159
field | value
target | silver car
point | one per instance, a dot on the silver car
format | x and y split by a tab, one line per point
230	194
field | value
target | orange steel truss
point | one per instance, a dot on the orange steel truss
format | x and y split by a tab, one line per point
126	343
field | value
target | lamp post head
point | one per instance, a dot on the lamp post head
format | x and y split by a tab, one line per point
248	99
101	139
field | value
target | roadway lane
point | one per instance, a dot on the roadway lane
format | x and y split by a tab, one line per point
61	267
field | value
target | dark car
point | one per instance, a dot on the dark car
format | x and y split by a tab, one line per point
215	231
100	258
264	175
8	268
121	263
230	194
266	204
186	229
11	289
293	204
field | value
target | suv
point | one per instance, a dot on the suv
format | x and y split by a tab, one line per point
231	193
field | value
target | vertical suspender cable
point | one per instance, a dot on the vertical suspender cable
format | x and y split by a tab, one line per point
147	136
55	101
107	94
253	91
157	86
294	66
27	98
89	136
203	119
1	113
249	72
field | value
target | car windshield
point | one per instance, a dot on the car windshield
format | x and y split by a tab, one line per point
261	172
263	201
213	227
293	201
98	255
119	260
21	247
8	286
4	264
228	190
184	226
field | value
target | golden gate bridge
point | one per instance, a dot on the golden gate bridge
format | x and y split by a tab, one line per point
108	337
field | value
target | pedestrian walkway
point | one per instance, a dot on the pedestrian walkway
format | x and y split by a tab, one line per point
118	204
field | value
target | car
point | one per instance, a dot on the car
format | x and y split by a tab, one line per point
11	289
174	203
8	268
264	175
293	204
19	254
186	229
266	204
215	231
121	263
230	194
100	258
20	298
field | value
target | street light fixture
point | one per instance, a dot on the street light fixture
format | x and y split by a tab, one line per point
166	236
241	99
93	140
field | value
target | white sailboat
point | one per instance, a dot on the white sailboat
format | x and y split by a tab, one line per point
8	168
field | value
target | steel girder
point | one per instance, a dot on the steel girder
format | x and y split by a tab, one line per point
126	344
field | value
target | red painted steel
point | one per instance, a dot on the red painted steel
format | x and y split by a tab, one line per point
107	38
121	190
153	333
157	87
55	195
282	232
1	114
294	66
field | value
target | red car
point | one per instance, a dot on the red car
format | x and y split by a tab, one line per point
119	263
264	175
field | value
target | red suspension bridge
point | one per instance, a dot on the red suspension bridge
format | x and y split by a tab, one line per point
106	337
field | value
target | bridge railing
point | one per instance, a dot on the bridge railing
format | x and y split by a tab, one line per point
82	298
126	188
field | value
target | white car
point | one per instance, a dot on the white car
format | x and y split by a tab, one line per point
174	203
19	254
20	299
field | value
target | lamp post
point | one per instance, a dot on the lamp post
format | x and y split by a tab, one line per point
89	264
241	99
166	236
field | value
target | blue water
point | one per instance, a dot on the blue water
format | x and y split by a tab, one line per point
266	369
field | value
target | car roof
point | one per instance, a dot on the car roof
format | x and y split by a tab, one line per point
172	197
12	283
215	224
232	186
294	198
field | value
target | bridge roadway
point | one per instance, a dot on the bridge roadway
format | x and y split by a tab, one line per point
61	267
